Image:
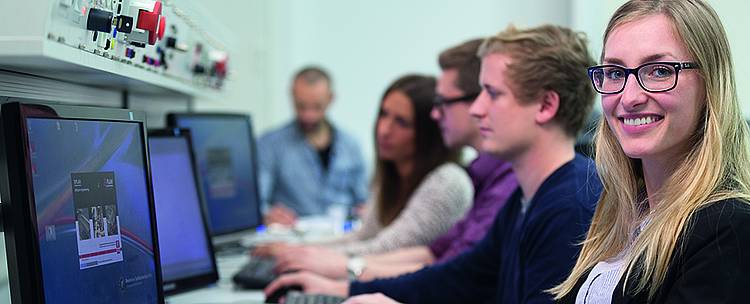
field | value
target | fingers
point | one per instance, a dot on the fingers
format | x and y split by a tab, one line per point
293	259
279	214
291	266
283	281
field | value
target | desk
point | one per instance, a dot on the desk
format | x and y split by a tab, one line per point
223	291
310	229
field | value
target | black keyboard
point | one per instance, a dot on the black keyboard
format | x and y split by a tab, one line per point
256	274
296	297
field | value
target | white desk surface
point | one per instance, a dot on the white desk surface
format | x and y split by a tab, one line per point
223	291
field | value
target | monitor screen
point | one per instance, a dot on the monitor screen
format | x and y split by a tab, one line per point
225	153
91	205
185	247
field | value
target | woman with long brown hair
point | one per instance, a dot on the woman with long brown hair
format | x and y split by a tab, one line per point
420	191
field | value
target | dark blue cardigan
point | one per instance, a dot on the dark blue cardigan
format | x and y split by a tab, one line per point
522	254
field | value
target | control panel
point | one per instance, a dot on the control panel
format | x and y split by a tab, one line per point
152	41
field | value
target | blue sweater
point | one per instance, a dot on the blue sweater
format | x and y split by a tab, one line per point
522	255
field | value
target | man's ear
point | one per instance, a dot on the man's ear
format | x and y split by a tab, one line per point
548	107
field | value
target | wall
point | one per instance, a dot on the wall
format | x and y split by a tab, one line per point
364	44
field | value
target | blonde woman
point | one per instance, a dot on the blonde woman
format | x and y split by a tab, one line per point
673	222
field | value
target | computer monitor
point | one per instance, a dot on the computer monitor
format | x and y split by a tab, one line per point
187	257
225	152
77	205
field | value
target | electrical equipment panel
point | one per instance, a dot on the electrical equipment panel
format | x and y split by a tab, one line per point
139	45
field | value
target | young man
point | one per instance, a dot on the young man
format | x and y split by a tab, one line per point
493	180
308	164
535	99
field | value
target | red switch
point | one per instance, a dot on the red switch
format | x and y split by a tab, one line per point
152	22
162	25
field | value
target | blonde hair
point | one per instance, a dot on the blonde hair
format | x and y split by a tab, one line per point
548	57
714	169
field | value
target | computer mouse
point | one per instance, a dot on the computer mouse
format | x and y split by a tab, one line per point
276	296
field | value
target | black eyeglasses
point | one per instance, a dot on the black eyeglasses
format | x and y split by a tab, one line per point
441	101
653	77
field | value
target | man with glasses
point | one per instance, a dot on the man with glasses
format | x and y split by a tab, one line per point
535	99
309	164
493	180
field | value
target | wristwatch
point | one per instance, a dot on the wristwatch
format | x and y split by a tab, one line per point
355	266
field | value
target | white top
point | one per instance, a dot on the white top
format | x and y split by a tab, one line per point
442	199
601	282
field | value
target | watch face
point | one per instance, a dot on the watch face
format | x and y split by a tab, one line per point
355	267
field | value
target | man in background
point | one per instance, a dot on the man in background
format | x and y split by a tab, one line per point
309	164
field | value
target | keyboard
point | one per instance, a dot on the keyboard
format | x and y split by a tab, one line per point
296	297
256	274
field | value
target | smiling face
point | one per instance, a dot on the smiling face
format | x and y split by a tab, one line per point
652	125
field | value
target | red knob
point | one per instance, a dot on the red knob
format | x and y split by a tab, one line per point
151	22
162	25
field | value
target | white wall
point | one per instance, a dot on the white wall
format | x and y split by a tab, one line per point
364	44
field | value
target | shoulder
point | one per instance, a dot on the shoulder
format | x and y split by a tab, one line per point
282	133
583	173
345	139
449	171
575	187
730	216
448	178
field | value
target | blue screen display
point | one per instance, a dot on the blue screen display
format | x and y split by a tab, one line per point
183	246
223	151
92	211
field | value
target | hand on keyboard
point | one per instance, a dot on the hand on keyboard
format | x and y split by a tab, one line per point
296	297
310	283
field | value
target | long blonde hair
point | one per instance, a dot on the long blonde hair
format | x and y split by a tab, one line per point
714	169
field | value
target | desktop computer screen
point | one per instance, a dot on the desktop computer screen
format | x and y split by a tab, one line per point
225	153
187	258
78	207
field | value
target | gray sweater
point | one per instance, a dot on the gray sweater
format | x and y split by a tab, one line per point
439	201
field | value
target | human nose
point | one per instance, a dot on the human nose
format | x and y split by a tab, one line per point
384	127
436	113
633	95
478	108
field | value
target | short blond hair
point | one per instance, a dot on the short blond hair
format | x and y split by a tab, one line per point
548	58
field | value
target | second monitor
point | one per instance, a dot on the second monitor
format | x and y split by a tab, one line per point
225	152
187	259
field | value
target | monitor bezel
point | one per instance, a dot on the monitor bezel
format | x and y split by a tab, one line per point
19	219
202	280
172	122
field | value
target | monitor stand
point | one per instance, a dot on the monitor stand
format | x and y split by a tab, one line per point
230	244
